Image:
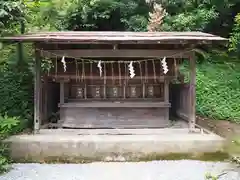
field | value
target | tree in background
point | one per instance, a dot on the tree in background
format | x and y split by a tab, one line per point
108	15
234	47
11	12
15	77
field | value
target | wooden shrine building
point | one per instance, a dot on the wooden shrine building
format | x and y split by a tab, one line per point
114	79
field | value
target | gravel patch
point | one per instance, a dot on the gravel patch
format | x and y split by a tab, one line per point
155	170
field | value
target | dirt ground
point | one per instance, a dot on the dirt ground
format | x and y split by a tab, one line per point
226	129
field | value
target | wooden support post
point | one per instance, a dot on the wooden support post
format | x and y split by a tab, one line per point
105	83
125	81
41	103
62	96
166	97
192	94
85	91
144	90
45	104
37	92
166	91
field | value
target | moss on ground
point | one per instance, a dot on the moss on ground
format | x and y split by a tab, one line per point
215	156
233	146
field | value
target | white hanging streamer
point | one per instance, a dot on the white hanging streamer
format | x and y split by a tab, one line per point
100	67
131	70
164	65
64	63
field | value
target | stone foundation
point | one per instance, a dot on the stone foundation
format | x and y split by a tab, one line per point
68	144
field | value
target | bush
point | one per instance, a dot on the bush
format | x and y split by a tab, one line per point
16	92
234	46
217	86
218	90
8	126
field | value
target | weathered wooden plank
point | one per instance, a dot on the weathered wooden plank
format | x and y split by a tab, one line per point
68	77
119	36
104	104
114	117
118	33
71	46
192	93
37	92
111	53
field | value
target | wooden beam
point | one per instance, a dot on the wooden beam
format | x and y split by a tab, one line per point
66	78
37	92
129	104
192	93
111	53
50	46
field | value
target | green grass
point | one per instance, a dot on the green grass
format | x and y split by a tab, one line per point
218	91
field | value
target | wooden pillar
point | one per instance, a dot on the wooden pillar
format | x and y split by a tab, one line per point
192	93
37	91
45	104
62	94
166	97
166	91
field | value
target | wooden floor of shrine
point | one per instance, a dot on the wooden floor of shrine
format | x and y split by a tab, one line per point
64	126
171	124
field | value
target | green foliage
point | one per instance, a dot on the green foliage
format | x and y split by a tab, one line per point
183	15
16	89
4	160
8	126
42	15
208	15
209	176
107	15
195	20
11	12
86	15
235	37
218	90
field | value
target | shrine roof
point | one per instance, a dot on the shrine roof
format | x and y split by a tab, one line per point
117	37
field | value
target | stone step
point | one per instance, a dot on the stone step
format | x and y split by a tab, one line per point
107	147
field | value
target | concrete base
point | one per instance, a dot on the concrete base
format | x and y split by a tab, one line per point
111	145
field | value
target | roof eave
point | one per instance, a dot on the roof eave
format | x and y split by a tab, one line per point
172	41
